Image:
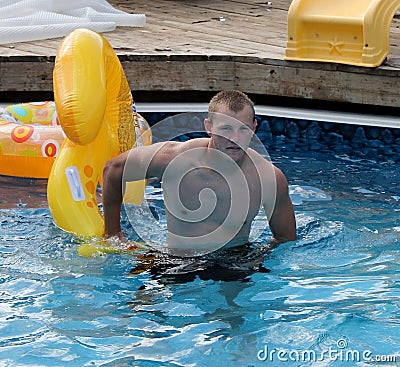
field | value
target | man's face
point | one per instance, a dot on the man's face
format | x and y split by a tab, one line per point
231	132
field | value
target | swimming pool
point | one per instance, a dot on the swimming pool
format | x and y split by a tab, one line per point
331	298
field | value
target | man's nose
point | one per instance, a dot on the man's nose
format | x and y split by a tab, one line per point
235	136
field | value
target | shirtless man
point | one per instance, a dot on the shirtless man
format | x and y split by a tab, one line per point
213	187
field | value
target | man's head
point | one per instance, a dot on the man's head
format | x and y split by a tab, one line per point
231	100
231	123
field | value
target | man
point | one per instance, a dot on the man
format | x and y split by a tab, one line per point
213	187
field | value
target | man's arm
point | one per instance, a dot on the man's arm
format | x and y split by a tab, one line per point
134	165
282	221
112	195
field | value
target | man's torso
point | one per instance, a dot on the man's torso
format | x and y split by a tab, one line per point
212	204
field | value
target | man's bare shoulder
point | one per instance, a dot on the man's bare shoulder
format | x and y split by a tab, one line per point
266	169
259	160
162	153
194	143
173	147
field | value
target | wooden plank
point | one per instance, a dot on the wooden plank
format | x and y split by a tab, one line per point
46	48
251	8
41	49
195	75
7	51
237	26
307	82
229	41
49	47
280	79
184	46
208	74
212	30
241	24
26	75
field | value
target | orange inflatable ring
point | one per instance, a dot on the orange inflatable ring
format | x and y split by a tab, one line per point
30	139
96	111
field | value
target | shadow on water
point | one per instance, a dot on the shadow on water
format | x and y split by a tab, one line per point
236	264
22	192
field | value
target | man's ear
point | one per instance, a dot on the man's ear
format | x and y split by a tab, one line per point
207	126
254	125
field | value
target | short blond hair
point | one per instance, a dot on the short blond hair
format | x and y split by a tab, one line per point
234	100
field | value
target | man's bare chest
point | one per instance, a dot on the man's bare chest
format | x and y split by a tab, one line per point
218	193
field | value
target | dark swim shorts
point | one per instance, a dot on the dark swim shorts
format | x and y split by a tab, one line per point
226	264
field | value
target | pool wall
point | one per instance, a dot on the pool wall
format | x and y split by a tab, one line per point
364	141
370	142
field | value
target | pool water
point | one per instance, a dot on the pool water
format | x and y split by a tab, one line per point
331	298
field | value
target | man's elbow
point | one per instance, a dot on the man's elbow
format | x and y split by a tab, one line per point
108	167
285	235
291	237
112	183
291	234
112	172
284	238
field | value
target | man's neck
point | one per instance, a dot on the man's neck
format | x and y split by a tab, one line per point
215	158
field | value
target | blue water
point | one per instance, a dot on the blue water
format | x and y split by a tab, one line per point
335	290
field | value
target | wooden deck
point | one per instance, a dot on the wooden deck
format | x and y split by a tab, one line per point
208	45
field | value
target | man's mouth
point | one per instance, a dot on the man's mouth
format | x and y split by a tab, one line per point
234	148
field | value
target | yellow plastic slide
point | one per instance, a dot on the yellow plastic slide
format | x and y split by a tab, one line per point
354	32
